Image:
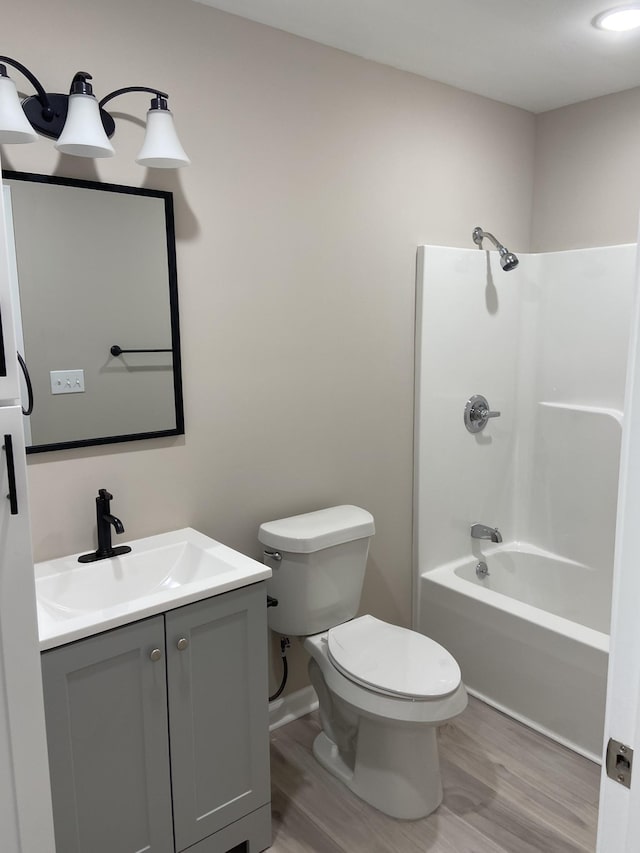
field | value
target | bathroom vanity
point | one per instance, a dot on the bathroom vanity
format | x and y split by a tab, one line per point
158	726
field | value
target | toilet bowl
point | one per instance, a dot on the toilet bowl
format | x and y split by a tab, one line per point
382	689
381	742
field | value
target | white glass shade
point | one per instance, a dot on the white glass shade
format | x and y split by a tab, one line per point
161	148
83	134
619	20
14	125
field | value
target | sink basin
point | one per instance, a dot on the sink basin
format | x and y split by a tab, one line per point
128	578
162	572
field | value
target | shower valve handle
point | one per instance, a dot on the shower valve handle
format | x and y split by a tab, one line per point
485	414
477	413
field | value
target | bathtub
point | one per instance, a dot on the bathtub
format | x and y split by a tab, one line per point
531	637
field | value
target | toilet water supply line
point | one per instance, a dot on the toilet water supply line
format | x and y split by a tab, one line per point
285	642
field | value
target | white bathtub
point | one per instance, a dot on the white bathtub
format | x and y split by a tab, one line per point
531	638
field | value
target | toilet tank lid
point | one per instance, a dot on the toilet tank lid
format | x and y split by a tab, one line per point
313	531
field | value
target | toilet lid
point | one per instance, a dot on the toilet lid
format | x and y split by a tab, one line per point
392	660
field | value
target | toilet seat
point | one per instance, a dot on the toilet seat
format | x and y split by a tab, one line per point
391	660
370	702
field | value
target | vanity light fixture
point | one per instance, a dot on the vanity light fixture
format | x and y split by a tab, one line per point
619	20
80	124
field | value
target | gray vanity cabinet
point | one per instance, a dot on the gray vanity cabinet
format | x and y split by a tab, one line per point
218	711
158	732
106	715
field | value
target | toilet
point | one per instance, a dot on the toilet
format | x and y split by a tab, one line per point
382	689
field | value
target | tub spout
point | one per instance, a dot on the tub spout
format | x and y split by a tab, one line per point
482	531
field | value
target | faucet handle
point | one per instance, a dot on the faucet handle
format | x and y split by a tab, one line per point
104	494
485	414
477	412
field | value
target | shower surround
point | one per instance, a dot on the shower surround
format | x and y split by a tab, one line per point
546	344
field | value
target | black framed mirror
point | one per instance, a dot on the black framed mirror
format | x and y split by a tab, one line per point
95	282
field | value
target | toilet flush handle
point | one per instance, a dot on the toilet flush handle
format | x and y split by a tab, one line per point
274	555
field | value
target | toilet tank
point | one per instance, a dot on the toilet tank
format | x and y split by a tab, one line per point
318	561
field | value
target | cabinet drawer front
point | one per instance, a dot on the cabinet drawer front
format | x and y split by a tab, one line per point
105	700
218	711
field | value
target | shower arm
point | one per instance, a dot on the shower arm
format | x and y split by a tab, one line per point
479	235
508	260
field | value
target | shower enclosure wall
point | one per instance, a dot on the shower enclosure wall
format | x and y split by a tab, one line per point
546	344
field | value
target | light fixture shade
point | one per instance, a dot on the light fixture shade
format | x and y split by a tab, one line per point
14	125
83	134
161	148
621	19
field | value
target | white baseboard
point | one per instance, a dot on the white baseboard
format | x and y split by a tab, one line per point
574	747
292	706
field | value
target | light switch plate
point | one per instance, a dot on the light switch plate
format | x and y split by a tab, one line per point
67	381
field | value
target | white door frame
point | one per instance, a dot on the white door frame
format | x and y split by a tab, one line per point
619	816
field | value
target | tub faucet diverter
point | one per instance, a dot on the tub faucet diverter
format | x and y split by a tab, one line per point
483	531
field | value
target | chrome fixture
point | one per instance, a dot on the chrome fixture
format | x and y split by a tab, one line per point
273	555
619	762
481	570
482	531
508	261
79	123
477	413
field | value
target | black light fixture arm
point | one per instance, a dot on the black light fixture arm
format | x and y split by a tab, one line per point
81	135
160	96
47	109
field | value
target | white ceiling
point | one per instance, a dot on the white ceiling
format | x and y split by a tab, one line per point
535	54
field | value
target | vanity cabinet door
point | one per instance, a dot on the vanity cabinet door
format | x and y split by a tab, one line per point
106	713
218	711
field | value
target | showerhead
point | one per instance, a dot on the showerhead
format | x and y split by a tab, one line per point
508	261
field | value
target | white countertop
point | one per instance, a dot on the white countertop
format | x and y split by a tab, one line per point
162	572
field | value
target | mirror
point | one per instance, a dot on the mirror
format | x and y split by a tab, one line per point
95	278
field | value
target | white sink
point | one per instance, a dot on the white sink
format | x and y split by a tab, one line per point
162	572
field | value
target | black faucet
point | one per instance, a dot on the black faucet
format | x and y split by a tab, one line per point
105	520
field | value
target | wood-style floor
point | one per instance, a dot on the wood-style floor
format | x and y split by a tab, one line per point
507	789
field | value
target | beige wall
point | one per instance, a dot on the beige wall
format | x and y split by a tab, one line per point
315	176
587	180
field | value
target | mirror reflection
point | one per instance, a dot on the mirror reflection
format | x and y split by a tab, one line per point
95	279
